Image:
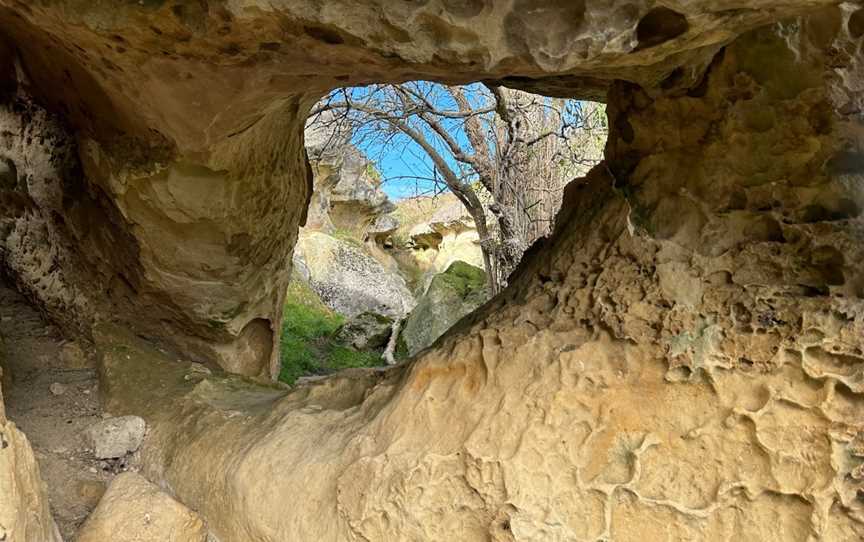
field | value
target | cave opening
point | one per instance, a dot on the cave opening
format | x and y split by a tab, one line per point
425	196
681	359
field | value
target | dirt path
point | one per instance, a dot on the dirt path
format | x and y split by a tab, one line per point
53	419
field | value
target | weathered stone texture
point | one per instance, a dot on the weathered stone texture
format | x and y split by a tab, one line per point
134	510
348	279
682	360
188	119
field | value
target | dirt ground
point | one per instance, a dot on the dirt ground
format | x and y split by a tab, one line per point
35	357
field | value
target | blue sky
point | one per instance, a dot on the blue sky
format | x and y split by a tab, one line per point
405	168
397	163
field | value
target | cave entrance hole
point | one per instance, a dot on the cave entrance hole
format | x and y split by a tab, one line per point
425	196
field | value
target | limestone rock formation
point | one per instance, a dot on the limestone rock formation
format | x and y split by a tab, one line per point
188	122
448	236
686	349
134	510
431	234
451	295
347	193
682	360
37	228
349	280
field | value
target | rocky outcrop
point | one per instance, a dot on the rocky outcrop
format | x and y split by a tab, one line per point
682	360
686	348
348	279
451	295
134	510
347	193
449	236
188	122
430	234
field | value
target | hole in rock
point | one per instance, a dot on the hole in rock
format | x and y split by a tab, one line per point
326	35
406	234
659	25
8	174
856	23
829	211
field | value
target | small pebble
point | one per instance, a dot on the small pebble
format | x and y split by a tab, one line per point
57	388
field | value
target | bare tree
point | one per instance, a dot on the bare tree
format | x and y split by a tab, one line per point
498	150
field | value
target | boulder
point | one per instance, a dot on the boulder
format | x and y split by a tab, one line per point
347	193
57	388
135	510
115	437
451	295
366	331
349	280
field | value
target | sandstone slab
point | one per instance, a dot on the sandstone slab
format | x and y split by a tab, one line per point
134	510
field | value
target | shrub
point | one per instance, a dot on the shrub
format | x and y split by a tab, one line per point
307	343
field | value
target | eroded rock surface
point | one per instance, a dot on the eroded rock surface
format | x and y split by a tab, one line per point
134	510
447	237
24	510
347	193
348	279
188	123
451	295
680	361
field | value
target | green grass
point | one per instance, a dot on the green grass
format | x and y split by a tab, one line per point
307	345
348	236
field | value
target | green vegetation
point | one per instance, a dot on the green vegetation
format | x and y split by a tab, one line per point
308	347
465	279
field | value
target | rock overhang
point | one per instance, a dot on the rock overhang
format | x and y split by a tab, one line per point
188	118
